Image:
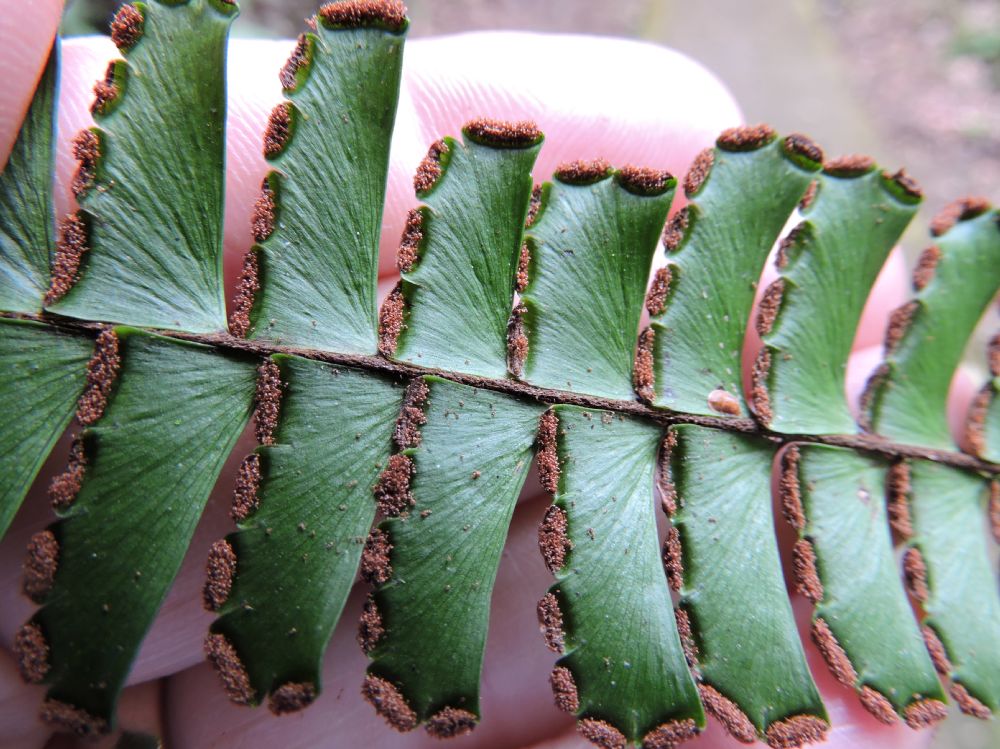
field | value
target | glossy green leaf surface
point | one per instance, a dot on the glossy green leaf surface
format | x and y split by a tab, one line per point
154	210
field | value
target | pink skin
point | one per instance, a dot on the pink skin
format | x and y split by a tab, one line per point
593	106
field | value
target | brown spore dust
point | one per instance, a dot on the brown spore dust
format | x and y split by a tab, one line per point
389	703
126	27
550	621
32	653
804	566
796	731
517	340
429	170
906	183
503	133
899	323
291	697
760	398
803	146
227	664
644	180
834	655
553	540
809	196
370	626
969	704
673	559
264	208
788	244
534	206
106	91
247	289
391	318
389	14
268	400
583	171
450	722
523	266
746	137
963	209
408	251
375	566
279	130
668	735
412	416
854	165
601	733
789	490
924	713
915	572
392	490
73	243
664	476
936	650
898	505
40	565
297	60
245	499
642	369
219	572
73	719
676	229
102	369
723	402
656	297
728	713
564	692
770	303
878	705
547	456
686	635
66	485
86	151
698	172
994	509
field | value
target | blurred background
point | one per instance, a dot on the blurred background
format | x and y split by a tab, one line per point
912	82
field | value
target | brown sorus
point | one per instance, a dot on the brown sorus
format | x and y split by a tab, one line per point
915	572
429	170
245	499
790	242
375	567
523	266
268	399
126	27
105	90
924	713
450	722
853	165
723	402
793	732
291	697
728	713
993	355
219	572
770	303
656	297
40	565
86	151
370	626
804	146
676	229
73	719
905	182
279	129
936	650
686	635
994	509
866	403
878	705
517	340
550	621
235	680
70	249
564	690
534	206
664	476
899	323
698	172
65	486
898	505
746	137
412	416
409	244
547	456
789	489
643	180
804	565
262	221
673	559
760	398
391	320
392	490
246	292
975	426
503	133
390	14
583	172
924	271
834	655
102	369
969	704
389	703
553	541
809	196
32	651
962	209
601	733
642	370
298	59
668	735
